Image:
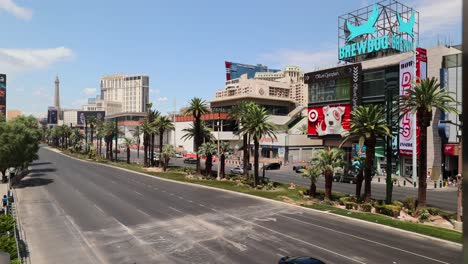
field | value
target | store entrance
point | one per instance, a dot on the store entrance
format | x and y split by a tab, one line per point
407	167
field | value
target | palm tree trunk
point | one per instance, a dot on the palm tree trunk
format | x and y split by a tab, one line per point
246	157
161	134
92	132
128	154
328	184
313	189
422	167
208	163
138	147
145	151
359	180
370	153
152	149
256	146
223	166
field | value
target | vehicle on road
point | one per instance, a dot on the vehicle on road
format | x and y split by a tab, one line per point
237	170
299	168
349	177
272	166
299	260
249	167
190	161
178	155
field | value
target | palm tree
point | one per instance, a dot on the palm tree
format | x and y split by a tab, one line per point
224	147
91	121
303	129
136	136
326	160
147	129
99	136
153	115
207	150
166	154
238	113
197	108
425	96
162	124
256	124
368	123
313	173
128	143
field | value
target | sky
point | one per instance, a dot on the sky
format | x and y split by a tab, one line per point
181	45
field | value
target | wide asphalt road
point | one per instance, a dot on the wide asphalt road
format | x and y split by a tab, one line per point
78	212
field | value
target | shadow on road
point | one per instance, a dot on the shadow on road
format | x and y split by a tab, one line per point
40	163
43	170
33	182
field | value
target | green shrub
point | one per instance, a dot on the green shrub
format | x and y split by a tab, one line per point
8	244
6	223
351	205
389	210
434	211
424	215
343	200
410	203
328	202
397	203
366	207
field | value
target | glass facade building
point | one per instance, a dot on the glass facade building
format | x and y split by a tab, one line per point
234	70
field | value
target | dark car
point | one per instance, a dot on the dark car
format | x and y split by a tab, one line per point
249	167
190	161
299	168
349	177
272	166
299	260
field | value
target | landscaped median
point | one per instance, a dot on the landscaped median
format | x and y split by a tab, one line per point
401	215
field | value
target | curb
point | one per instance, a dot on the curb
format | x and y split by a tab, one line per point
272	201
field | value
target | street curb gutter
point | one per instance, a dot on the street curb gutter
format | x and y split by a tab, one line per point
270	200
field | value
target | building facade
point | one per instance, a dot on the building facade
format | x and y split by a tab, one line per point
110	107
130	90
235	70
3	94
13	114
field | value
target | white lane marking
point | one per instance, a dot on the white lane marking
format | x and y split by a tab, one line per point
282	249
190	201
292	238
138	193
279	255
176	210
201	205
143	212
364	239
99	208
180	197
113	182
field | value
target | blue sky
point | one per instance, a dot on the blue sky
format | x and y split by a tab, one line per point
181	45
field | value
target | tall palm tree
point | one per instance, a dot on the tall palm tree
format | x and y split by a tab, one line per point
368	123
153	115
147	129
196	109
202	130
91	121
99	136
128	143
136	136
238	113
257	125
326	160
425	96
224	147
207	150
162	124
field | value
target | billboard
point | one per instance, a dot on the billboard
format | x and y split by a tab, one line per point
329	120
406	80
82	116
52	116
3	94
381	29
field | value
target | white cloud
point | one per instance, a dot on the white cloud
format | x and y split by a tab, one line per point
19	60
90	91
162	99
17	11
306	60
436	15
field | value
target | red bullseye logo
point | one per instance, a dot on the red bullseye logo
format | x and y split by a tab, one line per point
313	115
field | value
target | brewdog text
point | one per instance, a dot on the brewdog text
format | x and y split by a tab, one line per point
380	43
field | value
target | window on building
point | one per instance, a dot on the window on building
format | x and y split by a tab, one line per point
373	83
331	90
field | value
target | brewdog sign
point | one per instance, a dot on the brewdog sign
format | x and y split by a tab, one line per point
384	29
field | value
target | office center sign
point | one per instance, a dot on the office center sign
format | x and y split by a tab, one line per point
376	31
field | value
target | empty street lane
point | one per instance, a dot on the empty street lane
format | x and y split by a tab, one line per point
78	212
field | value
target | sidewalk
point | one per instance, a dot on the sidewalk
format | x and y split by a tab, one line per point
403	182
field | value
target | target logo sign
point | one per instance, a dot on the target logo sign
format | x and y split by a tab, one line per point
313	115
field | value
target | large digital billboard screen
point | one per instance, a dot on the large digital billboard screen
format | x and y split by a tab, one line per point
52	115
82	116
3	94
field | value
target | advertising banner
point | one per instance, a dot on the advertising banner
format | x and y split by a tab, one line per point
406	80
3	94
329	120
52	116
84	115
